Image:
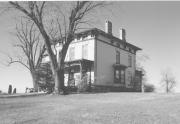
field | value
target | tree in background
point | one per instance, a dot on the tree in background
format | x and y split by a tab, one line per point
168	80
64	29
32	49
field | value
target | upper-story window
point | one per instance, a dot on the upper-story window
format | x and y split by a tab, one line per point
117	57
85	51
129	60
72	53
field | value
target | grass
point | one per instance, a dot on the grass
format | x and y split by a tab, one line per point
6	95
101	108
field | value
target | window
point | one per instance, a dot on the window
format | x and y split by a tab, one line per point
117	74
129	60
130	77
72	53
117	57
122	74
85	51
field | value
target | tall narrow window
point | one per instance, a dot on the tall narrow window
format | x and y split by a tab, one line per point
72	53
117	74
85	51
130	61
130	77
117	57
122	75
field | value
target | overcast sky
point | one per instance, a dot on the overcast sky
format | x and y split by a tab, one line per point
152	26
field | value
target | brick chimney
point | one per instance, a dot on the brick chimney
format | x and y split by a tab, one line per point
108	27
122	34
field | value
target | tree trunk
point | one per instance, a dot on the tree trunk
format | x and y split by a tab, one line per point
35	84
59	81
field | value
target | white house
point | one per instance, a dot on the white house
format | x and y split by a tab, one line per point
107	61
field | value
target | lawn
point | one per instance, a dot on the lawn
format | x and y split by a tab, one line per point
101	108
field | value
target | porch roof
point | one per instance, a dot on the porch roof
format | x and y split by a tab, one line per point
119	66
79	61
83	62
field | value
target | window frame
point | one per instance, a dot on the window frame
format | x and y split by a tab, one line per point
129	60
117	57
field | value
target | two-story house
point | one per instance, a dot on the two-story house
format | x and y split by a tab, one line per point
106	60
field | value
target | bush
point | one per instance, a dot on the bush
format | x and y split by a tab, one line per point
149	88
46	87
71	89
45	79
83	85
10	89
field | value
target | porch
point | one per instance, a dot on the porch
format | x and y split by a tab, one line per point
77	71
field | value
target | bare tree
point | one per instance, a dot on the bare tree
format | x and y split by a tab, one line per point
35	11
168	80
31	47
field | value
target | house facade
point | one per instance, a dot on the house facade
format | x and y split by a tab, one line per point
105	60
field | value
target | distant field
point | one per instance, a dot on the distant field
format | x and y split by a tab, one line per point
102	108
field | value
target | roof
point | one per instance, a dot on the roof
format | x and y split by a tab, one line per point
79	60
110	36
119	66
96	31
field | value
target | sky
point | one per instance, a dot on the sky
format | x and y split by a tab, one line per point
153	26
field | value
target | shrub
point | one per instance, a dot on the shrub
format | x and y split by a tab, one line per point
10	89
45	79
83	85
46	87
71	89
149	88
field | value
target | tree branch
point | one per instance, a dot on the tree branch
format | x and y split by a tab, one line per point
17	61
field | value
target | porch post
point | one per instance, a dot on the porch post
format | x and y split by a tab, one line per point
90	79
68	74
80	70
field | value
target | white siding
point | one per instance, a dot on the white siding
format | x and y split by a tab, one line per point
78	49
106	57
